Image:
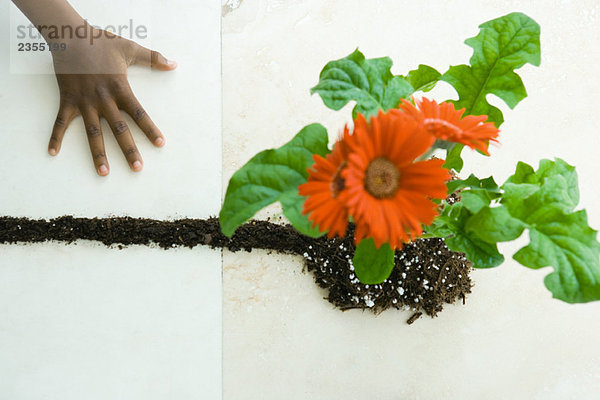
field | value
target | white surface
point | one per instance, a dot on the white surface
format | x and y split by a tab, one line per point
178	179
83	321
511	340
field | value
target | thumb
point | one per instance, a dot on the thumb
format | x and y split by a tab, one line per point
153	59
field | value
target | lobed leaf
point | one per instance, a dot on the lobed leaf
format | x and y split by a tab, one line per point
502	46
543	202
368	82
474	182
480	193
271	176
568	244
557	179
495	225
451	226
423	78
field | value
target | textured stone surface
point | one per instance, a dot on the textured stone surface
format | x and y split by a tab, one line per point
511	340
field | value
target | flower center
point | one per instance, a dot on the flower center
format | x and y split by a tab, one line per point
441	129
382	178
337	182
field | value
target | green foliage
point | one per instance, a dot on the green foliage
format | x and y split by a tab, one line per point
542	202
271	176
488	184
557	179
453	159
423	78
566	242
370	83
373	265
482	191
502	46
450	225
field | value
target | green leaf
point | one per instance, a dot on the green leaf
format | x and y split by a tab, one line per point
554	183
543	202
373	265
475	200
480	193
271	176
397	89
424	78
567	243
450	226
453	159
495	225
474	182
369	82
559	237
558	179
480	253
523	174
455	224
292	204
502	46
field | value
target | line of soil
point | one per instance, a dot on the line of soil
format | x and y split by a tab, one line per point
427	275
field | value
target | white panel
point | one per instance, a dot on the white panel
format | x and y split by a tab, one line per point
84	321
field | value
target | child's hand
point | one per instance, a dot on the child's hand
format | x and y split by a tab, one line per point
92	78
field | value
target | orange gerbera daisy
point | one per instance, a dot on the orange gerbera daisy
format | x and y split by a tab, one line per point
388	194
324	185
446	123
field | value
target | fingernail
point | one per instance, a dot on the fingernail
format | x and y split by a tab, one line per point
137	166
159	142
172	64
52	152
103	170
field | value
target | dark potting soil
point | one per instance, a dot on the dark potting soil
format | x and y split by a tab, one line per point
427	275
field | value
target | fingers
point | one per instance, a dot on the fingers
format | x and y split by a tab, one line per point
132	106
150	58
123	136
66	113
94	134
